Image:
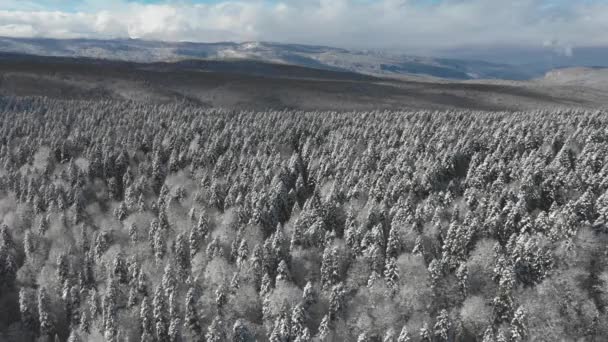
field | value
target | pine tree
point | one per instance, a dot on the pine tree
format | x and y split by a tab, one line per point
109	307
393	245
93	304
194	242
256	264
404	335
442	326
435	272
159	245
44	225
161	321
29	245
8	266
221	297
192	214
389	336
202	227
275	335
216	332
425	334
329	267
102	243
174	330
284	325
235	283
47	326
352	236
27	309
85	322
240	332
336	300
142	283
73	337
133	233
163	218
71	297
63	268
191	321
182	255
141	203
500	337
488	335
133	299
324	328
391	275
266	285
121	211
242	254
147	320
502	306
309	297
297	237
119	269
214	248
283	272
418	247
158	172
304	336
298	321
519	331
602	209
84	239
363	337
6	240
169	281
462	274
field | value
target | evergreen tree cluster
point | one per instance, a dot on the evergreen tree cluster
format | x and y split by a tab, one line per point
130	222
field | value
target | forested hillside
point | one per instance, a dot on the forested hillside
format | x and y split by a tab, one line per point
130	222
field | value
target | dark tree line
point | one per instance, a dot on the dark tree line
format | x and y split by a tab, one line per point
130	222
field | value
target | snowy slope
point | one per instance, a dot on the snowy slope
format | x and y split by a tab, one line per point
584	77
321	57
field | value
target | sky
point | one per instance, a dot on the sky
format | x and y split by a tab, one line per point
396	24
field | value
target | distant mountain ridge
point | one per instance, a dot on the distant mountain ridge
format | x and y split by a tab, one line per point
591	77
319	57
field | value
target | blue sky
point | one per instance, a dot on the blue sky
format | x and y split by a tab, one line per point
421	24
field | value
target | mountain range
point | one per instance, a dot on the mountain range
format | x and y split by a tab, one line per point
370	62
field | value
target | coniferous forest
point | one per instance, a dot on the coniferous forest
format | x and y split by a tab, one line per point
124	221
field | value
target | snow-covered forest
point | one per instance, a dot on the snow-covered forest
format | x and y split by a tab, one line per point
124	221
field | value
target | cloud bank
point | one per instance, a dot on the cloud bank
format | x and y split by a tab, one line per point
349	23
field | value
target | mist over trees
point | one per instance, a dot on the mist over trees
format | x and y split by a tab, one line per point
130	222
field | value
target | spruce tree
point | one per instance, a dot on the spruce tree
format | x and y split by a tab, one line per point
47	325
191	321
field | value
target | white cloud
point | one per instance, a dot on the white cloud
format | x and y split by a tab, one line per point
17	30
350	23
